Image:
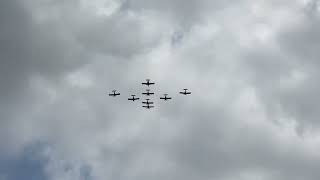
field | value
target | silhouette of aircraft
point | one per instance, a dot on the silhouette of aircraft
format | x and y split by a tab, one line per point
148	93
148	106
185	92
148	83
133	98
147	102
165	97
114	94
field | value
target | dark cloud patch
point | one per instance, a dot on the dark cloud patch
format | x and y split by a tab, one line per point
176	38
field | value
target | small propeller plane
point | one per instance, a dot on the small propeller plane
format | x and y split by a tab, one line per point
133	98
148	83
114	94
165	97
185	92
148	93
148	106
147	102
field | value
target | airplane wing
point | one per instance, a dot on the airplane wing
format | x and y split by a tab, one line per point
111	94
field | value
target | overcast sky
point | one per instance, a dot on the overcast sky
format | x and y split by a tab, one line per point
252	66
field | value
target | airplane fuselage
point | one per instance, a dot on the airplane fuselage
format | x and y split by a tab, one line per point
165	98
148	93
148	83
147	102
133	98
148	107
114	94
185	92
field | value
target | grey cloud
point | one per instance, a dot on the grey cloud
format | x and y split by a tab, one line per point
302	43
184	13
286	77
28	50
120	34
58	62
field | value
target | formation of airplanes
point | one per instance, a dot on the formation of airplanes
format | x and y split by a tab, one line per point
148	104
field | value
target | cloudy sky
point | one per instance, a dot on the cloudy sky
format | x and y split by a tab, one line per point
252	66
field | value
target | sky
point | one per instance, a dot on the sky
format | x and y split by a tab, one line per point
252	67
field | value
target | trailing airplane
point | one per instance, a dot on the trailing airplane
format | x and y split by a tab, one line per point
148	83
165	97
148	106
148	93
133	98
185	92
147	102
114	94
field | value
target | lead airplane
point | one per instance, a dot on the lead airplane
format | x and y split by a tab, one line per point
165	97
147	102
148	93
185	92
148	83
114	94
133	98
148	106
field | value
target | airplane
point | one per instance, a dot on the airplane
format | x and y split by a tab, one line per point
185	92
148	93
147	102
114	94
165	97
148	106
133	98
148	83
